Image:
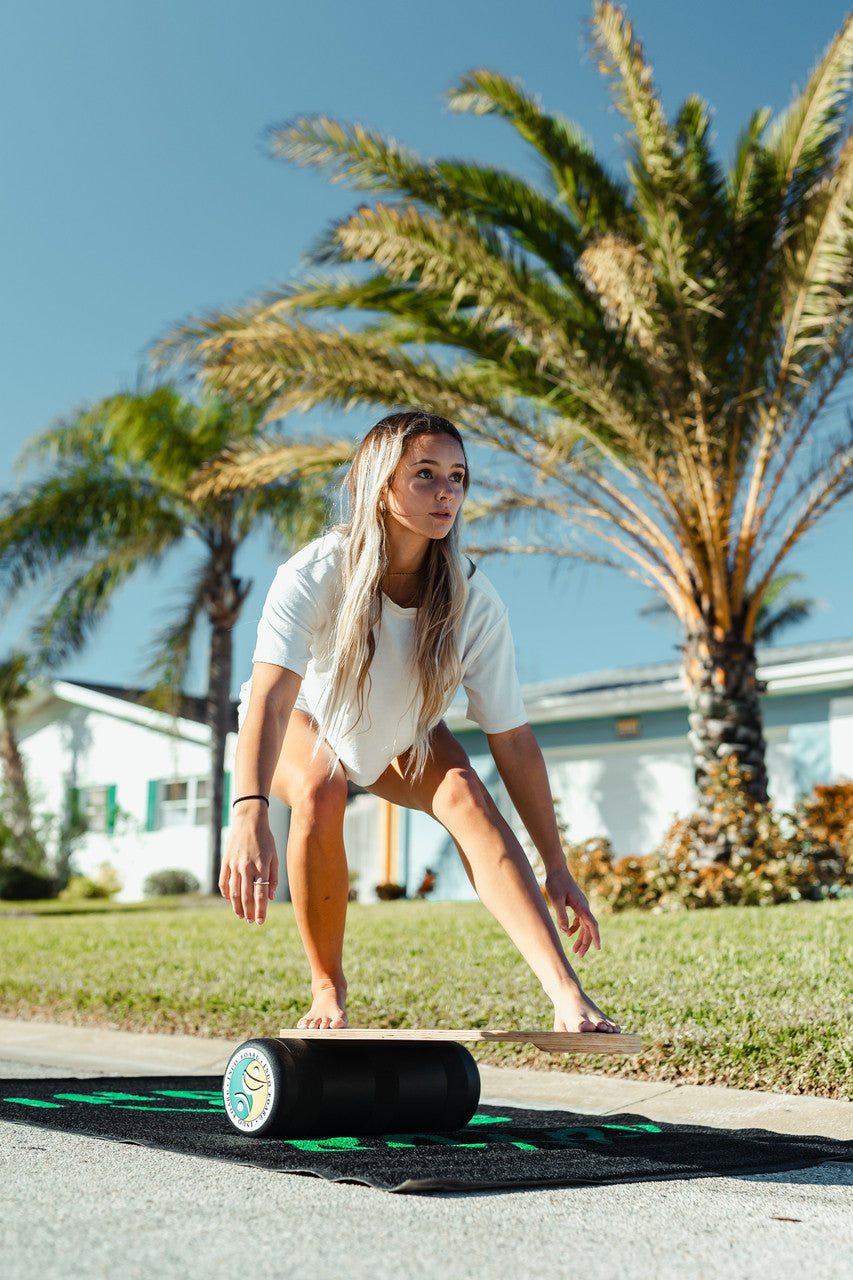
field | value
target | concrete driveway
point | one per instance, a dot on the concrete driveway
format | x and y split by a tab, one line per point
78	1208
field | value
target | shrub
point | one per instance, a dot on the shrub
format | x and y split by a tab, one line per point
161	884
105	885
20	884
80	888
804	854
390	892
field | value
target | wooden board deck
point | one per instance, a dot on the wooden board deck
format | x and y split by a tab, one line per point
553	1041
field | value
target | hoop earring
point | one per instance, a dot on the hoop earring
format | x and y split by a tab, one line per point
382	507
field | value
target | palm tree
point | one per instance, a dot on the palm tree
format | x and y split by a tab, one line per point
652	356
113	495
15	686
778	611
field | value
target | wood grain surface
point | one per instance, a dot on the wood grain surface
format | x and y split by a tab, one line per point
554	1041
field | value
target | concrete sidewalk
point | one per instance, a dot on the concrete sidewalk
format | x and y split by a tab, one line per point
70	1050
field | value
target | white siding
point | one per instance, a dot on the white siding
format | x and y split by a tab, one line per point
82	748
628	791
361	839
841	739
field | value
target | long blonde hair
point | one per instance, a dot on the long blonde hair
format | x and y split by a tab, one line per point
359	607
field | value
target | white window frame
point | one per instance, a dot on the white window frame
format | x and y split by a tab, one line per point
192	803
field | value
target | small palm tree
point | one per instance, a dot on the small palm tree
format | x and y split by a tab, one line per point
114	494
651	357
15	686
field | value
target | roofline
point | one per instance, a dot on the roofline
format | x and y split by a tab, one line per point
598	695
660	687
121	709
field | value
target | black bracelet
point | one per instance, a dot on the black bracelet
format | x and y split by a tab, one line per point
239	798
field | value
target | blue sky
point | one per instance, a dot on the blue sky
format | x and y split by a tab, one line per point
138	190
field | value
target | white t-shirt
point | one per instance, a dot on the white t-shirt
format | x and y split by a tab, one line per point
295	630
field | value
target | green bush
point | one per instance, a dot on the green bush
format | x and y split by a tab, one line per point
20	884
106	884
806	854
162	884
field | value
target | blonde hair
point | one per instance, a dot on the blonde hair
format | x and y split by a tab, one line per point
359	607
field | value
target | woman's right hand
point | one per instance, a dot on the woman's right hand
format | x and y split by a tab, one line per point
250	856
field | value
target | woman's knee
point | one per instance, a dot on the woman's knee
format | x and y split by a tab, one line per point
318	799
460	794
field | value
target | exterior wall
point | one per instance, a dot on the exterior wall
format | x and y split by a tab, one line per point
631	791
841	739
361	840
628	790
78	747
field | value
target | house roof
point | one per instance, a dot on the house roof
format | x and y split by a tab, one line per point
125	704
190	708
802	668
659	686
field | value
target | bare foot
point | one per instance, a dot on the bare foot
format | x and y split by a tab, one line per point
574	1011
328	1009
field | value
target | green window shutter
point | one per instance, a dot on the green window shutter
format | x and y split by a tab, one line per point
226	798
112	809
73	805
151	820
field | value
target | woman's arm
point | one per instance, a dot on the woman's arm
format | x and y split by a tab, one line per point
522	769
251	854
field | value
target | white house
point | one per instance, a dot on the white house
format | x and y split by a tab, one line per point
614	743
138	776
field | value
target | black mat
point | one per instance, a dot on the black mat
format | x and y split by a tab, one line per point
503	1147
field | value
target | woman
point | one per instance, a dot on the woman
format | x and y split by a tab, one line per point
365	637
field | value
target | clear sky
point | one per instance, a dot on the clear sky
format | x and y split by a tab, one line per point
138	190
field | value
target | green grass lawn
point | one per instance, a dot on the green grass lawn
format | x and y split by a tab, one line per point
750	997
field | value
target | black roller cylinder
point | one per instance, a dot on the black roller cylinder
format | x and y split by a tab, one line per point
321	1088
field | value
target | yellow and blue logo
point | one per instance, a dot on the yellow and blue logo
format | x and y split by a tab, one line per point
247	1090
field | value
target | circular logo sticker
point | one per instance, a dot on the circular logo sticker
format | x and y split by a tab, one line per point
248	1090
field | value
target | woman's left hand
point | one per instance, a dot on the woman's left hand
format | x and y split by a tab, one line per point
565	896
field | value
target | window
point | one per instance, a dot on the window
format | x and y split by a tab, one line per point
95	807
184	803
174	806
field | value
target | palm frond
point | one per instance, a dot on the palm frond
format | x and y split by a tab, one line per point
85	597
817	297
170	650
829	483
352	154
817	304
802	141
288	366
71	516
795	156
265	461
768	626
620	58
473	269
624	281
595	200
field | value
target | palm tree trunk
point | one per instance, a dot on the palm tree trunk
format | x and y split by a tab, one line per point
14	688
218	715
224	605
725	721
19	810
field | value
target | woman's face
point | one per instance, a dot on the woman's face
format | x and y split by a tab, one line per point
428	486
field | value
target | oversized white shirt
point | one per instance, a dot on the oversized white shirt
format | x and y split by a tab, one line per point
295	631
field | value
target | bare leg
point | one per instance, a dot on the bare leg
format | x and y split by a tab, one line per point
497	868
316	864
